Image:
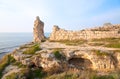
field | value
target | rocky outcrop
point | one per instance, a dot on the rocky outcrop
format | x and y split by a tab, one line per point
111	31
38	30
100	60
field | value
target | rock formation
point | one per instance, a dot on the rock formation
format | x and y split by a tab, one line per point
38	30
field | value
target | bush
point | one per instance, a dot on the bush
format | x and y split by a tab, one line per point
32	49
57	55
36	73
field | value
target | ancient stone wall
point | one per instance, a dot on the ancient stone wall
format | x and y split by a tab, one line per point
59	34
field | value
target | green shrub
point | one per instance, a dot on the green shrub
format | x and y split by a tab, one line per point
32	49
57	55
36	73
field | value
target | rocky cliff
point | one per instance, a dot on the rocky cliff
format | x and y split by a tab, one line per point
56	58
107	31
38	30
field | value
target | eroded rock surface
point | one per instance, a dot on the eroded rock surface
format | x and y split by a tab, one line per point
99	59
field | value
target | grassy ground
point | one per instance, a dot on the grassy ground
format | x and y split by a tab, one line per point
32	49
83	75
109	42
74	42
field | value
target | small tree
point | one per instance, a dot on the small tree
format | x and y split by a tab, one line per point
107	24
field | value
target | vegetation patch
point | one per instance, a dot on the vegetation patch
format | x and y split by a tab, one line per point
5	61
32	49
74	42
11	76
96	44
19	64
36	73
100	53
113	45
88	74
22	74
70	74
107	40
57	55
103	77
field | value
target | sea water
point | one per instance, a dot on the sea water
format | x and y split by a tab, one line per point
10	41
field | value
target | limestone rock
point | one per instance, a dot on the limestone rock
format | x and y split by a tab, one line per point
38	30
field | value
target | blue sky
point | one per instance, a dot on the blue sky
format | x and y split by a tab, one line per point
19	15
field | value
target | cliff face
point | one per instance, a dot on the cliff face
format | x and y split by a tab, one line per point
38	30
111	31
54	57
73	57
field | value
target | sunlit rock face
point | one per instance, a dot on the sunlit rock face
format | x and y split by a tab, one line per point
38	30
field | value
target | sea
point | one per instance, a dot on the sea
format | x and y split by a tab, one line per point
10	41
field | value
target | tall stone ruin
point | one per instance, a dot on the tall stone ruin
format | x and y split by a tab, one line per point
38	30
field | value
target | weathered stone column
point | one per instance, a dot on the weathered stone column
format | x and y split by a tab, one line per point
38	30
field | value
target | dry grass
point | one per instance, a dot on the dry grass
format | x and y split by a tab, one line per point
100	53
32	49
73	42
109	42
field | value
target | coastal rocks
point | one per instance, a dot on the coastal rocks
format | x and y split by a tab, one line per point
80	58
19	73
10	70
38	30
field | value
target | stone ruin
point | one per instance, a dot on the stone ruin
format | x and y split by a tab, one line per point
38	30
111	31
106	31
